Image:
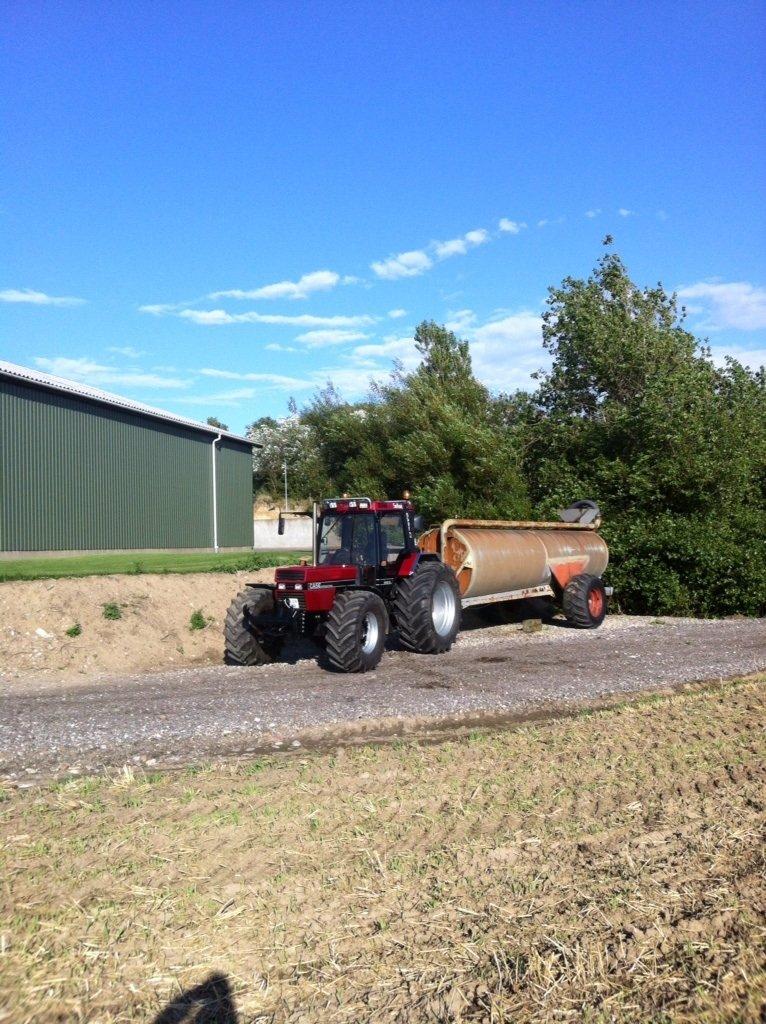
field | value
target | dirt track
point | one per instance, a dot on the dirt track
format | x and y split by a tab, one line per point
498	674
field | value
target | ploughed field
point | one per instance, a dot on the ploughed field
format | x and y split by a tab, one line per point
608	867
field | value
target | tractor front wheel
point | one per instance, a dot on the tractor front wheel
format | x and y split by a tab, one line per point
356	631
427	609
584	601
245	644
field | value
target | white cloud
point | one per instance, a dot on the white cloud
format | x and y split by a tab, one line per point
624	212
452	247
512	227
319	339
86	371
216	317
460	246
317	281
397	314
547	222
755	358
736	304
159	308
477	237
390	348
460	320
418	261
38	298
274	346
126	350
406	264
232	397
209	317
506	352
592	213
275	379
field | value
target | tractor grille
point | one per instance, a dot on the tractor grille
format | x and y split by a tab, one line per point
290	574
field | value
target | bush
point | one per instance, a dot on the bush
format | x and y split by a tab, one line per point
112	611
197	620
672	565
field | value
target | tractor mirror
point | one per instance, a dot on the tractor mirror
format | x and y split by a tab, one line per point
418	524
281	525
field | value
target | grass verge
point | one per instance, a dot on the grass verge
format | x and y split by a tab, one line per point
608	868
137	563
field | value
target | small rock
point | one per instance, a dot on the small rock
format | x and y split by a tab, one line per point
41	632
532	626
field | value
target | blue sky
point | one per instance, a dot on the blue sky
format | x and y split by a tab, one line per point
211	208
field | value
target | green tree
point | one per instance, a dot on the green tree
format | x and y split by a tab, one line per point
288	441
213	421
634	413
433	432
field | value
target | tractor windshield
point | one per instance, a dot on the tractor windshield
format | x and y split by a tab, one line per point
347	539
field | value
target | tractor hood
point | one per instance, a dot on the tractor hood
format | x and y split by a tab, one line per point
317	574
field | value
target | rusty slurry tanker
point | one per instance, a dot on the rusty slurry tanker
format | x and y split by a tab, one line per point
372	575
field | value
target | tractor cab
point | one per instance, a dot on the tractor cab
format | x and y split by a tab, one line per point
357	542
371	536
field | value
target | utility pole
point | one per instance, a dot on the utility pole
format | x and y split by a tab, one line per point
284	465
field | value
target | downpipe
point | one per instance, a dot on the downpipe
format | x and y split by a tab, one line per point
215	493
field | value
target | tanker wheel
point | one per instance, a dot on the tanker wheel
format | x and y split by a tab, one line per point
356	631
427	609
584	601
244	643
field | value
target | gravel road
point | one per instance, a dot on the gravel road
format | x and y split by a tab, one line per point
491	675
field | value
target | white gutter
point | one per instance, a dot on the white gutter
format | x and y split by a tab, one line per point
215	495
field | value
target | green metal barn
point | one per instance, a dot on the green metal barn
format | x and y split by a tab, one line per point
83	470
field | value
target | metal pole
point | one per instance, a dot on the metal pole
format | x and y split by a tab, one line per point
285	467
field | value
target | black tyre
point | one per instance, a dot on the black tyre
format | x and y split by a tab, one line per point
427	609
356	631
244	643
584	601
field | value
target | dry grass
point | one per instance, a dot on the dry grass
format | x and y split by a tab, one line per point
606	868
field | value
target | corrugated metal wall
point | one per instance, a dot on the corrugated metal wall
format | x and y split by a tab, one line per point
235	494
76	475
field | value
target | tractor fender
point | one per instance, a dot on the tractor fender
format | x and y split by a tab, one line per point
411	561
261	586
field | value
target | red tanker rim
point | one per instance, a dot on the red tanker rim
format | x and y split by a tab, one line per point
595	602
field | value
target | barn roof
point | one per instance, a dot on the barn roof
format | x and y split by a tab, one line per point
53	383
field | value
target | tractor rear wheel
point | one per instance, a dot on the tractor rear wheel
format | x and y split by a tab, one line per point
245	644
427	609
356	631
584	601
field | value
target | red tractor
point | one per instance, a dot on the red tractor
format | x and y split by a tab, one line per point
368	578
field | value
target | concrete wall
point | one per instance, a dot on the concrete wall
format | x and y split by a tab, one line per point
297	535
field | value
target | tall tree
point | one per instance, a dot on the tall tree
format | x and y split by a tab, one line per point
634	413
432	431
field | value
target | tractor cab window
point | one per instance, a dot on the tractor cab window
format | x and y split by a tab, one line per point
393	539
348	539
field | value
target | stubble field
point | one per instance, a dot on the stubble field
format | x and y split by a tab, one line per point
608	867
